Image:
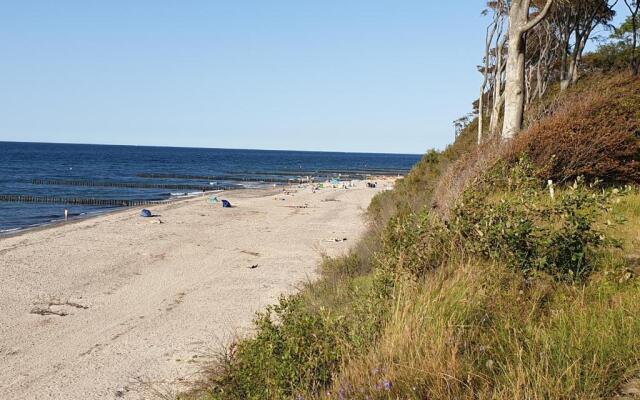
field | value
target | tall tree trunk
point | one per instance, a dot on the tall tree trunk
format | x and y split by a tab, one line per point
573	69
495	114
568	73
498	101
481	114
519	24
515	80
498	94
491	31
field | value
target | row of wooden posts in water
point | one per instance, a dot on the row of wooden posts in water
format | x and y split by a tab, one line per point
132	203
232	178
129	185
276	176
79	201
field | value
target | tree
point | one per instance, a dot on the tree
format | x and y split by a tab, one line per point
497	103
542	57
462	123
520	22
492	69
632	25
621	51
575	20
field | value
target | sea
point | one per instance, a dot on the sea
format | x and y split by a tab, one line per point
38	181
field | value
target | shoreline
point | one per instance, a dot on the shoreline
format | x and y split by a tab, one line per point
116	304
113	210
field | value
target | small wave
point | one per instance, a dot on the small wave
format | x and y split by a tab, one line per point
41	216
186	194
20	228
257	185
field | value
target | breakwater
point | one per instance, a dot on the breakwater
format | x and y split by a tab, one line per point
129	185
7	198
237	178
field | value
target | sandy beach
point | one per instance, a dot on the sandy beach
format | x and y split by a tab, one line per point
120	306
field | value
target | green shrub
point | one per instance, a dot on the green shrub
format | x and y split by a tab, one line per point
528	229
523	227
416	243
294	350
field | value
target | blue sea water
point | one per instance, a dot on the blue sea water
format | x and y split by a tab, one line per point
22	163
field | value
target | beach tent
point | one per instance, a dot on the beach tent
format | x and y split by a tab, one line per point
226	204
214	199
146	213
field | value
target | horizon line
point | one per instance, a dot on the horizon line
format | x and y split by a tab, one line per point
213	148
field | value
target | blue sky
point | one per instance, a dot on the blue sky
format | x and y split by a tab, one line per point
376	75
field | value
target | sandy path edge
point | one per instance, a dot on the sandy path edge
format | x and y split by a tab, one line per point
113	305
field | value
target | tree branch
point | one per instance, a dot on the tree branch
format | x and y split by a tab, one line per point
542	15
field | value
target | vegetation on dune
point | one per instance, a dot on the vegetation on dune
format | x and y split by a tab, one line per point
510	294
593	132
496	269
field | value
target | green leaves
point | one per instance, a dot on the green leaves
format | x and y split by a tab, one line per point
294	350
528	229
508	217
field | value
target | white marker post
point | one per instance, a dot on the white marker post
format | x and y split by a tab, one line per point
551	191
66	214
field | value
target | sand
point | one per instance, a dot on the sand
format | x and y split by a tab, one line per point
120	306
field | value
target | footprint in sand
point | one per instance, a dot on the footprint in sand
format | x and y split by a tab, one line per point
176	301
57	307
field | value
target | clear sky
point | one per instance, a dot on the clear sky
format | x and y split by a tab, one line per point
344	75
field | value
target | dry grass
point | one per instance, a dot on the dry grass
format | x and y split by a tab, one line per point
593	131
462	173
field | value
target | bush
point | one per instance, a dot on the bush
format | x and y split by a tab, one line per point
522	227
416	244
529	230
410	193
594	132
294	350
462	173
424	185
591	131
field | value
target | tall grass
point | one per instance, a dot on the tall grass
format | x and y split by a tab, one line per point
474	331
